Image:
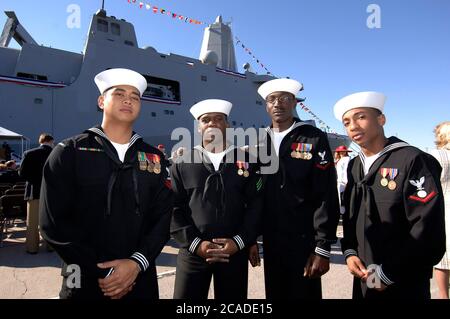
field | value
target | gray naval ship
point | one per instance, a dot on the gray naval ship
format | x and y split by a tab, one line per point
45	89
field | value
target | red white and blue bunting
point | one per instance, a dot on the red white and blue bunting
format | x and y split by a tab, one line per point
159	10
258	61
321	123
176	16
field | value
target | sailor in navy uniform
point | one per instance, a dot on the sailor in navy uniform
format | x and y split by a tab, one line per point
301	208
217	210
105	206
394	209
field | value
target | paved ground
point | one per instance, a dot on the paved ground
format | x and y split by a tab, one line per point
37	276
332	287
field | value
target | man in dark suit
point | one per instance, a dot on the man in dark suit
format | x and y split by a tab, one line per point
31	169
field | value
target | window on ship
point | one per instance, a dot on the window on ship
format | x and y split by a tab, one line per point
102	25
161	88
32	76
115	29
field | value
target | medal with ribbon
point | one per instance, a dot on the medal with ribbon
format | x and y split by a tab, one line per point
157	161
150	164
242	168
384	181
240	171
306	151
154	163
295	150
393	172
142	161
246	173
301	150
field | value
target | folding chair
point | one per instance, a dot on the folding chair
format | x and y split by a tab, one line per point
11	208
15	191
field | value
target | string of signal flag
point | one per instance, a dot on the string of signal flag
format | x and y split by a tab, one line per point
316	118
305	108
159	10
249	51
186	19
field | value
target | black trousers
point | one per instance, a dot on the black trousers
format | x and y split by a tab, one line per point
283	271
194	274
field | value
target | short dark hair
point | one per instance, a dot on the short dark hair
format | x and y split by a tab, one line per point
45	138
377	111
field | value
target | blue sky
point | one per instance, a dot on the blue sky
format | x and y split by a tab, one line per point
325	44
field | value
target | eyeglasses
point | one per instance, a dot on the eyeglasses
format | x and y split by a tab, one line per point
282	99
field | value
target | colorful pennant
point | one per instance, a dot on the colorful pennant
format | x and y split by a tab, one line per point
159	10
322	124
252	55
156	10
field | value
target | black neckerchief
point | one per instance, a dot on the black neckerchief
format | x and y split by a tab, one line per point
214	183
360	191
128	163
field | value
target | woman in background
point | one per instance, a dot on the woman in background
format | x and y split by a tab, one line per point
442	154
341	160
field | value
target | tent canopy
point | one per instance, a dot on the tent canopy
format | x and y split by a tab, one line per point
7	134
10	135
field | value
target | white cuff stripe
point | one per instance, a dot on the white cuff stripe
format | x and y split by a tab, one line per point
383	277
323	252
147	264
240	242
140	261
194	245
141	258
350	252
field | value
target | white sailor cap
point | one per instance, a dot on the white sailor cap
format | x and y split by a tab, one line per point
114	77
211	106
361	99
279	85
